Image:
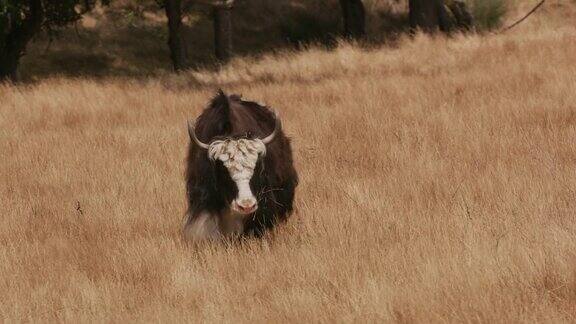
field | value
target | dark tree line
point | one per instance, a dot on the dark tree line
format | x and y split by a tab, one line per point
175	34
444	15
222	19
425	15
222	16
21	20
354	16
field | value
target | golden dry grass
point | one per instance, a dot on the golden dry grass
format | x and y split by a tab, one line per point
438	184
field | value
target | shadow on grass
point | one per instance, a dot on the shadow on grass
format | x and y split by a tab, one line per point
120	47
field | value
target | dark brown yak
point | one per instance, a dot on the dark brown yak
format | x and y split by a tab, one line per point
240	177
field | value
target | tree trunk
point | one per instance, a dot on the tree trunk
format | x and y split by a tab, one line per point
462	17
354	18
223	31
175	34
9	66
428	16
16	38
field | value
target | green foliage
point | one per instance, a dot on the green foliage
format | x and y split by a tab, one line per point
488	14
56	13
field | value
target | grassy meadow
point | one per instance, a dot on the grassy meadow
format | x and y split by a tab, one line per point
437	184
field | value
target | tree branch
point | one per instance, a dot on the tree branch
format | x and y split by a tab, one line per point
524	18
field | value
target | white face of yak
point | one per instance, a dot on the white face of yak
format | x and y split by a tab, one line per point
239	157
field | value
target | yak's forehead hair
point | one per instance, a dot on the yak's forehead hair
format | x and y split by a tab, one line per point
235	148
239	156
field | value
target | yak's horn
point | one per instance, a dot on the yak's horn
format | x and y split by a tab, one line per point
277	127
193	137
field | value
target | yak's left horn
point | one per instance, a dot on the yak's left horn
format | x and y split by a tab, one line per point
193	137
277	127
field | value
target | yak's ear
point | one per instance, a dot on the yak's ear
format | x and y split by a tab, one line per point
216	150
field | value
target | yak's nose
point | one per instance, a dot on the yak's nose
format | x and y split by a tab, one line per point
247	205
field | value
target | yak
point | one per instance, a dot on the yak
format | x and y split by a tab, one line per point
240	177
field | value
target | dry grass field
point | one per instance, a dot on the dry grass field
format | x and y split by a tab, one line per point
437	184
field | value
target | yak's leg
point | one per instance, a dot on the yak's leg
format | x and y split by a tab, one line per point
232	224
203	227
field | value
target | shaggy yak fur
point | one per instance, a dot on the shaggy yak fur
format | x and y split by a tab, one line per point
210	189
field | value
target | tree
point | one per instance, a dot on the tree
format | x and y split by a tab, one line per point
444	15
461	15
428	15
222	15
222	18
18	24
354	16
21	20
178	53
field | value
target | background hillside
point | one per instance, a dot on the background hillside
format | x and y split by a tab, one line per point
437	181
